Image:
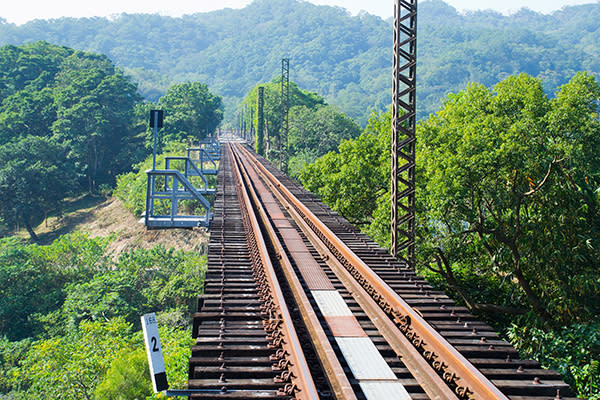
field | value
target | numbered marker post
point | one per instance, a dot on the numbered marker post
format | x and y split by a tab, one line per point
154	353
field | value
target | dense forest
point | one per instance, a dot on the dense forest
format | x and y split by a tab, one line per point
70	123
501	164
70	317
346	59
507	210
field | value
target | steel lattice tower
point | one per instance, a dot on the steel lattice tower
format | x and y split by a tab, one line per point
285	108
260	125
404	132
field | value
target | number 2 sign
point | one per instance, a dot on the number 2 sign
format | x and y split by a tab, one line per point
154	353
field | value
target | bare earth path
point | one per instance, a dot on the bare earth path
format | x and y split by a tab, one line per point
102	217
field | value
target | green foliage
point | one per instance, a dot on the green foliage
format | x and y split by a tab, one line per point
107	295
127	378
131	186
33	180
574	351
80	312
165	277
346	58
499	172
78	100
34	279
68	367
11	355
101	360
272	110
140	281
352	180
191	112
315	132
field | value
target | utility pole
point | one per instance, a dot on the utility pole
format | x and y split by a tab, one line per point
156	122
285	108
244	133
251	133
404	132
260	128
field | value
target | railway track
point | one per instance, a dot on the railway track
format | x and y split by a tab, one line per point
299	305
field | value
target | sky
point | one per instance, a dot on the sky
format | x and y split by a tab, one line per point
21	11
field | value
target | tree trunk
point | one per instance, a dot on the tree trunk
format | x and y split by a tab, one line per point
533	298
448	274
30	230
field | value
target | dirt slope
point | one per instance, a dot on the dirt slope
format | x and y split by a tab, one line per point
102	217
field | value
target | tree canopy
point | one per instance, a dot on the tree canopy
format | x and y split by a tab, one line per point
69	317
509	176
508	185
34	178
315	127
345	58
70	122
80	100
191	111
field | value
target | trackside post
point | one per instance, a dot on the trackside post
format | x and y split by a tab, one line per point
154	353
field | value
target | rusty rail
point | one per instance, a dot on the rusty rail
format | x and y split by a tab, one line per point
458	373
337	377
303	386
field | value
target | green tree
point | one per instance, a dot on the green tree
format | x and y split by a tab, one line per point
191	111
127	378
315	132
27	112
33	279
77	99
272	110
70	367
34	178
95	108
495	190
352	180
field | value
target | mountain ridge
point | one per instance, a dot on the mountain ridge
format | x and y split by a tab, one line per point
345	58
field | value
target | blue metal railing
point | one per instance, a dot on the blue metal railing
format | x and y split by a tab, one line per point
190	169
201	156
175	188
179	182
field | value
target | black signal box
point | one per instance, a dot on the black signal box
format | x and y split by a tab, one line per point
153	118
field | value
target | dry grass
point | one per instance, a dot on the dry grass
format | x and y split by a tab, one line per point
102	217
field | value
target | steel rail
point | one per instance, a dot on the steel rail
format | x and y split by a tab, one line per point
431	383
291	343
335	372
455	369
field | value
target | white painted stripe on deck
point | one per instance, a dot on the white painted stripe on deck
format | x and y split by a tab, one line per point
331	303
364	359
384	390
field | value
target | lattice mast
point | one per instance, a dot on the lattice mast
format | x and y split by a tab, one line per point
260	124
404	132
285	108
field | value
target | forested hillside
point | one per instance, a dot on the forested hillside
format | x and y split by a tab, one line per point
70	122
346	59
507	211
